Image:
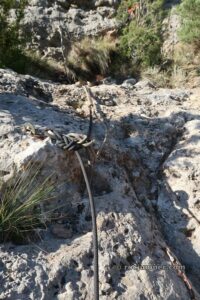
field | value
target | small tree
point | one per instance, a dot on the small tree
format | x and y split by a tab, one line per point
190	29
11	41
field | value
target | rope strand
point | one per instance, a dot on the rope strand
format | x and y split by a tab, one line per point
75	142
94	229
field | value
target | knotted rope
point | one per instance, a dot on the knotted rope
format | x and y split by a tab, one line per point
75	142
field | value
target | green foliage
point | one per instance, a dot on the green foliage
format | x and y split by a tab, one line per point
122	12
141	39
11	41
20	204
141	44
190	30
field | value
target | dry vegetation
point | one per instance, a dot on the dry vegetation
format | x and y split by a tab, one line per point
173	77
89	58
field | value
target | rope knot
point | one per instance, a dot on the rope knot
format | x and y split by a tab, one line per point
70	141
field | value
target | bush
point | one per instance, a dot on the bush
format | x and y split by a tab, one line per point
141	39
21	205
11	41
190	29
122	12
141	45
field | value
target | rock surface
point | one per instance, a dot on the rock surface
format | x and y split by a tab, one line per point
145	186
45	21
171	26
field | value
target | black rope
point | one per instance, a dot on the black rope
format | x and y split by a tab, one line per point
89	134
94	230
75	142
75	147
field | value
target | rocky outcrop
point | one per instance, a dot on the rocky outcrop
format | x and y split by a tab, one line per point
171	26
145	186
45	21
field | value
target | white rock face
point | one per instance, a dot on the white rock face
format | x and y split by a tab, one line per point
44	20
144	184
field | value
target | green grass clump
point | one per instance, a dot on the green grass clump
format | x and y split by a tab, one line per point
21	205
141	45
189	11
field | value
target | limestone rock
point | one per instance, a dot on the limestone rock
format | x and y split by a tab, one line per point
45	20
171	25
135	203
178	202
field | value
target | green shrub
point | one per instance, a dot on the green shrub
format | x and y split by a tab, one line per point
11	41
141	44
141	38
21	202
190	29
122	12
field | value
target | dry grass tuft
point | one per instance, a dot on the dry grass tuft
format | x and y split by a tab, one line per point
178	77
89	58
159	78
174	77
